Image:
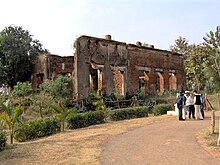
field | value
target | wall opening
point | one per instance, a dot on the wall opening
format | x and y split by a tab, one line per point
172	82
93	79
160	82
144	82
40	79
119	84
100	77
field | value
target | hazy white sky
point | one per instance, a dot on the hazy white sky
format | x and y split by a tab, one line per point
57	23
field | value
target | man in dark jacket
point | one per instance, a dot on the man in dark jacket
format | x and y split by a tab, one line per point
181	99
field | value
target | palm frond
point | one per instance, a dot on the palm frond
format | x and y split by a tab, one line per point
6	118
17	113
56	109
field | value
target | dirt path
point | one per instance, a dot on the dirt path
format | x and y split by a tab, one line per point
78	147
137	141
169	142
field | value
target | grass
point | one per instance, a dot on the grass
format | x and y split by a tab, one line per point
81	146
213	100
209	141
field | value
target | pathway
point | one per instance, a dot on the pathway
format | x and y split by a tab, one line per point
168	142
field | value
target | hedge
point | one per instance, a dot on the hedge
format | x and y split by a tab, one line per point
3	140
128	113
86	119
161	109
37	128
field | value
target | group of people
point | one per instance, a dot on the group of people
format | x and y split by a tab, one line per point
191	104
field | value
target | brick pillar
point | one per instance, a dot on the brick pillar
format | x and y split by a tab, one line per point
146	81
152	82
180	81
166	80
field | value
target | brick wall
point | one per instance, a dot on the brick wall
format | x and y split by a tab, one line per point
112	58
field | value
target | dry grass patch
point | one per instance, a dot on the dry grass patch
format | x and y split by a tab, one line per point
78	147
209	142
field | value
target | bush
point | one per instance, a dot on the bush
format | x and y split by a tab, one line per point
86	119
37	128
3	140
128	113
161	109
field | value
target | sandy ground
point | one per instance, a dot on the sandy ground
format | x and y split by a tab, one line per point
166	143
78	147
81	146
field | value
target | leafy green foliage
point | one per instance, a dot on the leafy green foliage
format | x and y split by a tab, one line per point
161	109
212	44
60	87
18	54
22	89
195	65
198	62
202	61
128	113
86	119
100	106
3	140
10	116
37	128
21	93
40	102
181	46
61	113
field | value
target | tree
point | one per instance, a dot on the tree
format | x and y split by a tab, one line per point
41	102
61	113
18	54
100	106
194	66
181	46
212	43
60	88
194	61
22	90
10	115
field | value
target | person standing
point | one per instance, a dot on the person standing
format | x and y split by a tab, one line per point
186	107
202	105
197	102
180	104
190	105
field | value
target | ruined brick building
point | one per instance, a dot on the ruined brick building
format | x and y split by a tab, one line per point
109	66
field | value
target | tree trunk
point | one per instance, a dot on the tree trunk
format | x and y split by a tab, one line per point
12	134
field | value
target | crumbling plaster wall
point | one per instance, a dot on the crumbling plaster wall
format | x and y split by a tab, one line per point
49	66
132	61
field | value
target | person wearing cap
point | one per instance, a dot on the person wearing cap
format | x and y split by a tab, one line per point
180	104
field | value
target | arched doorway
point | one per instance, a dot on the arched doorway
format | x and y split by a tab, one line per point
144	82
119	84
172	82
160	82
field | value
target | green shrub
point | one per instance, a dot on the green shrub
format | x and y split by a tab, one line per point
3	140
37	128
86	119
161	109
128	113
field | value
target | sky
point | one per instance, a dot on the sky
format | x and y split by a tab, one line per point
57	23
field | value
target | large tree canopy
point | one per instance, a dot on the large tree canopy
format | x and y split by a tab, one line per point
201	62
18	54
